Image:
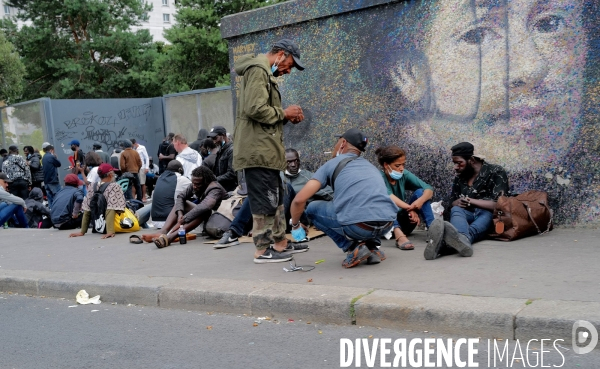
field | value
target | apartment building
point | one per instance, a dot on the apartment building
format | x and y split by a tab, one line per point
160	18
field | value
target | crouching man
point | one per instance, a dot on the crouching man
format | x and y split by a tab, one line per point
361	210
115	201
193	207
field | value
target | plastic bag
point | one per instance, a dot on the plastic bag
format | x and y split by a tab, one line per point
126	222
438	210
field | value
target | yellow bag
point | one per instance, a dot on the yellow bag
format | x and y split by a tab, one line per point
126	221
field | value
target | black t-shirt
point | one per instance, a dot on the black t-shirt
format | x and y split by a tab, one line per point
166	148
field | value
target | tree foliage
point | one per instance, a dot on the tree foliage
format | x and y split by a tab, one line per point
12	72
198	57
83	48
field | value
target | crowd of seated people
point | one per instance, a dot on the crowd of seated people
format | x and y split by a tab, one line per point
191	182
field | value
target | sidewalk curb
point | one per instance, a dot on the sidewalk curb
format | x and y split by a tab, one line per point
467	316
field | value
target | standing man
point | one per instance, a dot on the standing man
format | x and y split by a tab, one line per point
49	164
141	150
223	167
78	155
103	155
190	159
258	146
131	163
166	152
3	155
18	172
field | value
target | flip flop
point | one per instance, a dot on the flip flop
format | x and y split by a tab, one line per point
135	239
405	246
161	241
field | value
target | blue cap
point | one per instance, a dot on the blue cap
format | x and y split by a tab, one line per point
74	142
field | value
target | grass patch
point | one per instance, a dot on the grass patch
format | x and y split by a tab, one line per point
353	302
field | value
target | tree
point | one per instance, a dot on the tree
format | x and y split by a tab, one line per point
12	72
83	48
198	57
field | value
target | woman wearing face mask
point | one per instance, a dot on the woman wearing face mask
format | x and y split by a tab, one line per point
398	180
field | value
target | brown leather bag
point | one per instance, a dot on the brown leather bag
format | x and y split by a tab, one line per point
521	216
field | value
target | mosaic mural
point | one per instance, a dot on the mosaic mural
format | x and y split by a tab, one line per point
518	79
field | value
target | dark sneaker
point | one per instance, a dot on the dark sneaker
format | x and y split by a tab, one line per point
294	248
377	254
457	241
435	236
354	257
272	256
227	240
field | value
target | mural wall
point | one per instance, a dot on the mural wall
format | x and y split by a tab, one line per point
518	79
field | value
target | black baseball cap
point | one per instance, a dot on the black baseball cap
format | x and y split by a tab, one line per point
356	138
4	177
292	48
216	131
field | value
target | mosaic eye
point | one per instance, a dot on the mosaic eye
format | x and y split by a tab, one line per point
552	23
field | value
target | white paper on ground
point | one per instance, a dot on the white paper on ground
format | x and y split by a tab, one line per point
438	210
83	298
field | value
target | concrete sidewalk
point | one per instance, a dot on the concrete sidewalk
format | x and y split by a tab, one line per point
532	288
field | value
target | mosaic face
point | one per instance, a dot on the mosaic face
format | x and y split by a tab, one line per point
507	77
518	79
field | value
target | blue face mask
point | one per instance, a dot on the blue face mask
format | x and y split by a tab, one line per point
274	68
396	175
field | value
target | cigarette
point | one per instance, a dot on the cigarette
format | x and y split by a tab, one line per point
327	152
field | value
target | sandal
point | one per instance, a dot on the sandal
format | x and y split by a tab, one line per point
135	239
405	246
161	241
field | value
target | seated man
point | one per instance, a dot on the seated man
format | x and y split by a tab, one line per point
36	210
169	185
115	201
208	194
475	190
294	179
67	204
11	205
361	210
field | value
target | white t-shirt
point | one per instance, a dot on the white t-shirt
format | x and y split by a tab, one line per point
93	176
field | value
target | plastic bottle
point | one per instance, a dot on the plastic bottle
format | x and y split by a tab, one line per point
181	234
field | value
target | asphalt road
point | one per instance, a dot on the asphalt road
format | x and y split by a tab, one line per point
57	333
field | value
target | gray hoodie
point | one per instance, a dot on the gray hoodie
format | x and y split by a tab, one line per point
11	199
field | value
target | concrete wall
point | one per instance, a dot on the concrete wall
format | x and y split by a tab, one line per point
106	121
518	79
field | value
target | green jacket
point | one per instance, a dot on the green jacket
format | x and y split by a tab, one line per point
258	135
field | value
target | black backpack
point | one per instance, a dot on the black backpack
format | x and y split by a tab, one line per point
98	206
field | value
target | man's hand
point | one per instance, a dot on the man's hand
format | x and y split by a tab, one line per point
24	209
179	218
294	114
75	216
146	171
414	217
108	235
463	202
77	235
161	156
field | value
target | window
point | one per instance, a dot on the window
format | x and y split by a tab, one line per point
165	2
7	9
167	18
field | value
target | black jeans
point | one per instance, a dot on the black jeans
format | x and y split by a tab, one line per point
135	182
19	187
